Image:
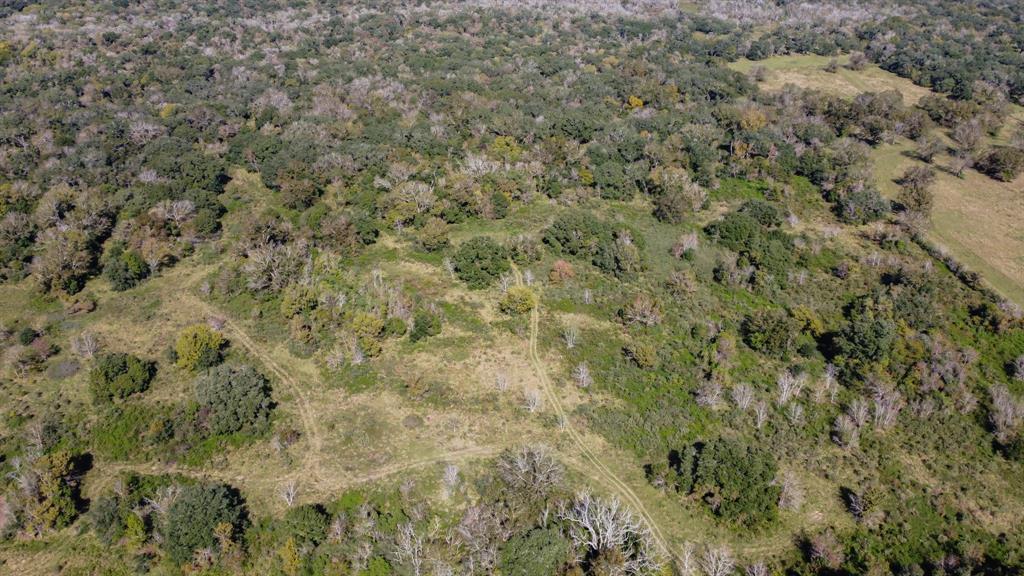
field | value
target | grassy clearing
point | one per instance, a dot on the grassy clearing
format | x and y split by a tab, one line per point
975	217
808	71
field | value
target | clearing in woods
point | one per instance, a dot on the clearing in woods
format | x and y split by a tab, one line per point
808	71
976	218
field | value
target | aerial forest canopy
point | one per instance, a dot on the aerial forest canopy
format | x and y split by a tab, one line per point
540	288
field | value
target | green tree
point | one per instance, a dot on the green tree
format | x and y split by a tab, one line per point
425	324
55	502
737	480
518	300
479	261
771	332
117	376
190	521
539	551
124	268
234	399
198	347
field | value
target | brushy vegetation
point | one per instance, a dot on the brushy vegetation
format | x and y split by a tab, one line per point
267	246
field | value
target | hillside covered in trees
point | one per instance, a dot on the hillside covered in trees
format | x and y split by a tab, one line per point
529	288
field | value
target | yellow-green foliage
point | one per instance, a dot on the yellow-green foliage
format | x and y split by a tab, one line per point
296	300
198	347
518	300
367	329
505	147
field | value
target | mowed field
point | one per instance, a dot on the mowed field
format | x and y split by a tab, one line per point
977	219
808	71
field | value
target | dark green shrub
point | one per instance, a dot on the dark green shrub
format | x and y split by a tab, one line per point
737	480
771	332
307	524
539	551
862	205
124	268
1003	163
425	324
26	336
117	376
234	400
192	518
479	261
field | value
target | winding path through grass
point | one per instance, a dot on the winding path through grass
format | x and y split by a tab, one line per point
599	468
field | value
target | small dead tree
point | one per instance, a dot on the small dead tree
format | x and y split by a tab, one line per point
757	569
531	400
85	344
887	405
581	375
845	431
450	480
288	492
717	561
789	386
409	548
642	310
1005	414
709	394
501	381
760	414
598	526
571	336
791	495
743	396
530	471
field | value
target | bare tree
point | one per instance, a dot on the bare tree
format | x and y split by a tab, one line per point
581	374
828	387
530	470
858	411
501	381
288	492
789	386
743	396
480	531
709	394
687	559
1006	413
760	414
409	548
450	479
795	414
588	296
531	400
86	344
757	569
791	496
717	561
887	403
571	336
605	526
449	266
845	431
528	277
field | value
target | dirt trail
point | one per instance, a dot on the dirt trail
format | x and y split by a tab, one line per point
312	457
599	468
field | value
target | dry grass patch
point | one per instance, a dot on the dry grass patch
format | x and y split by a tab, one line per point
808	71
